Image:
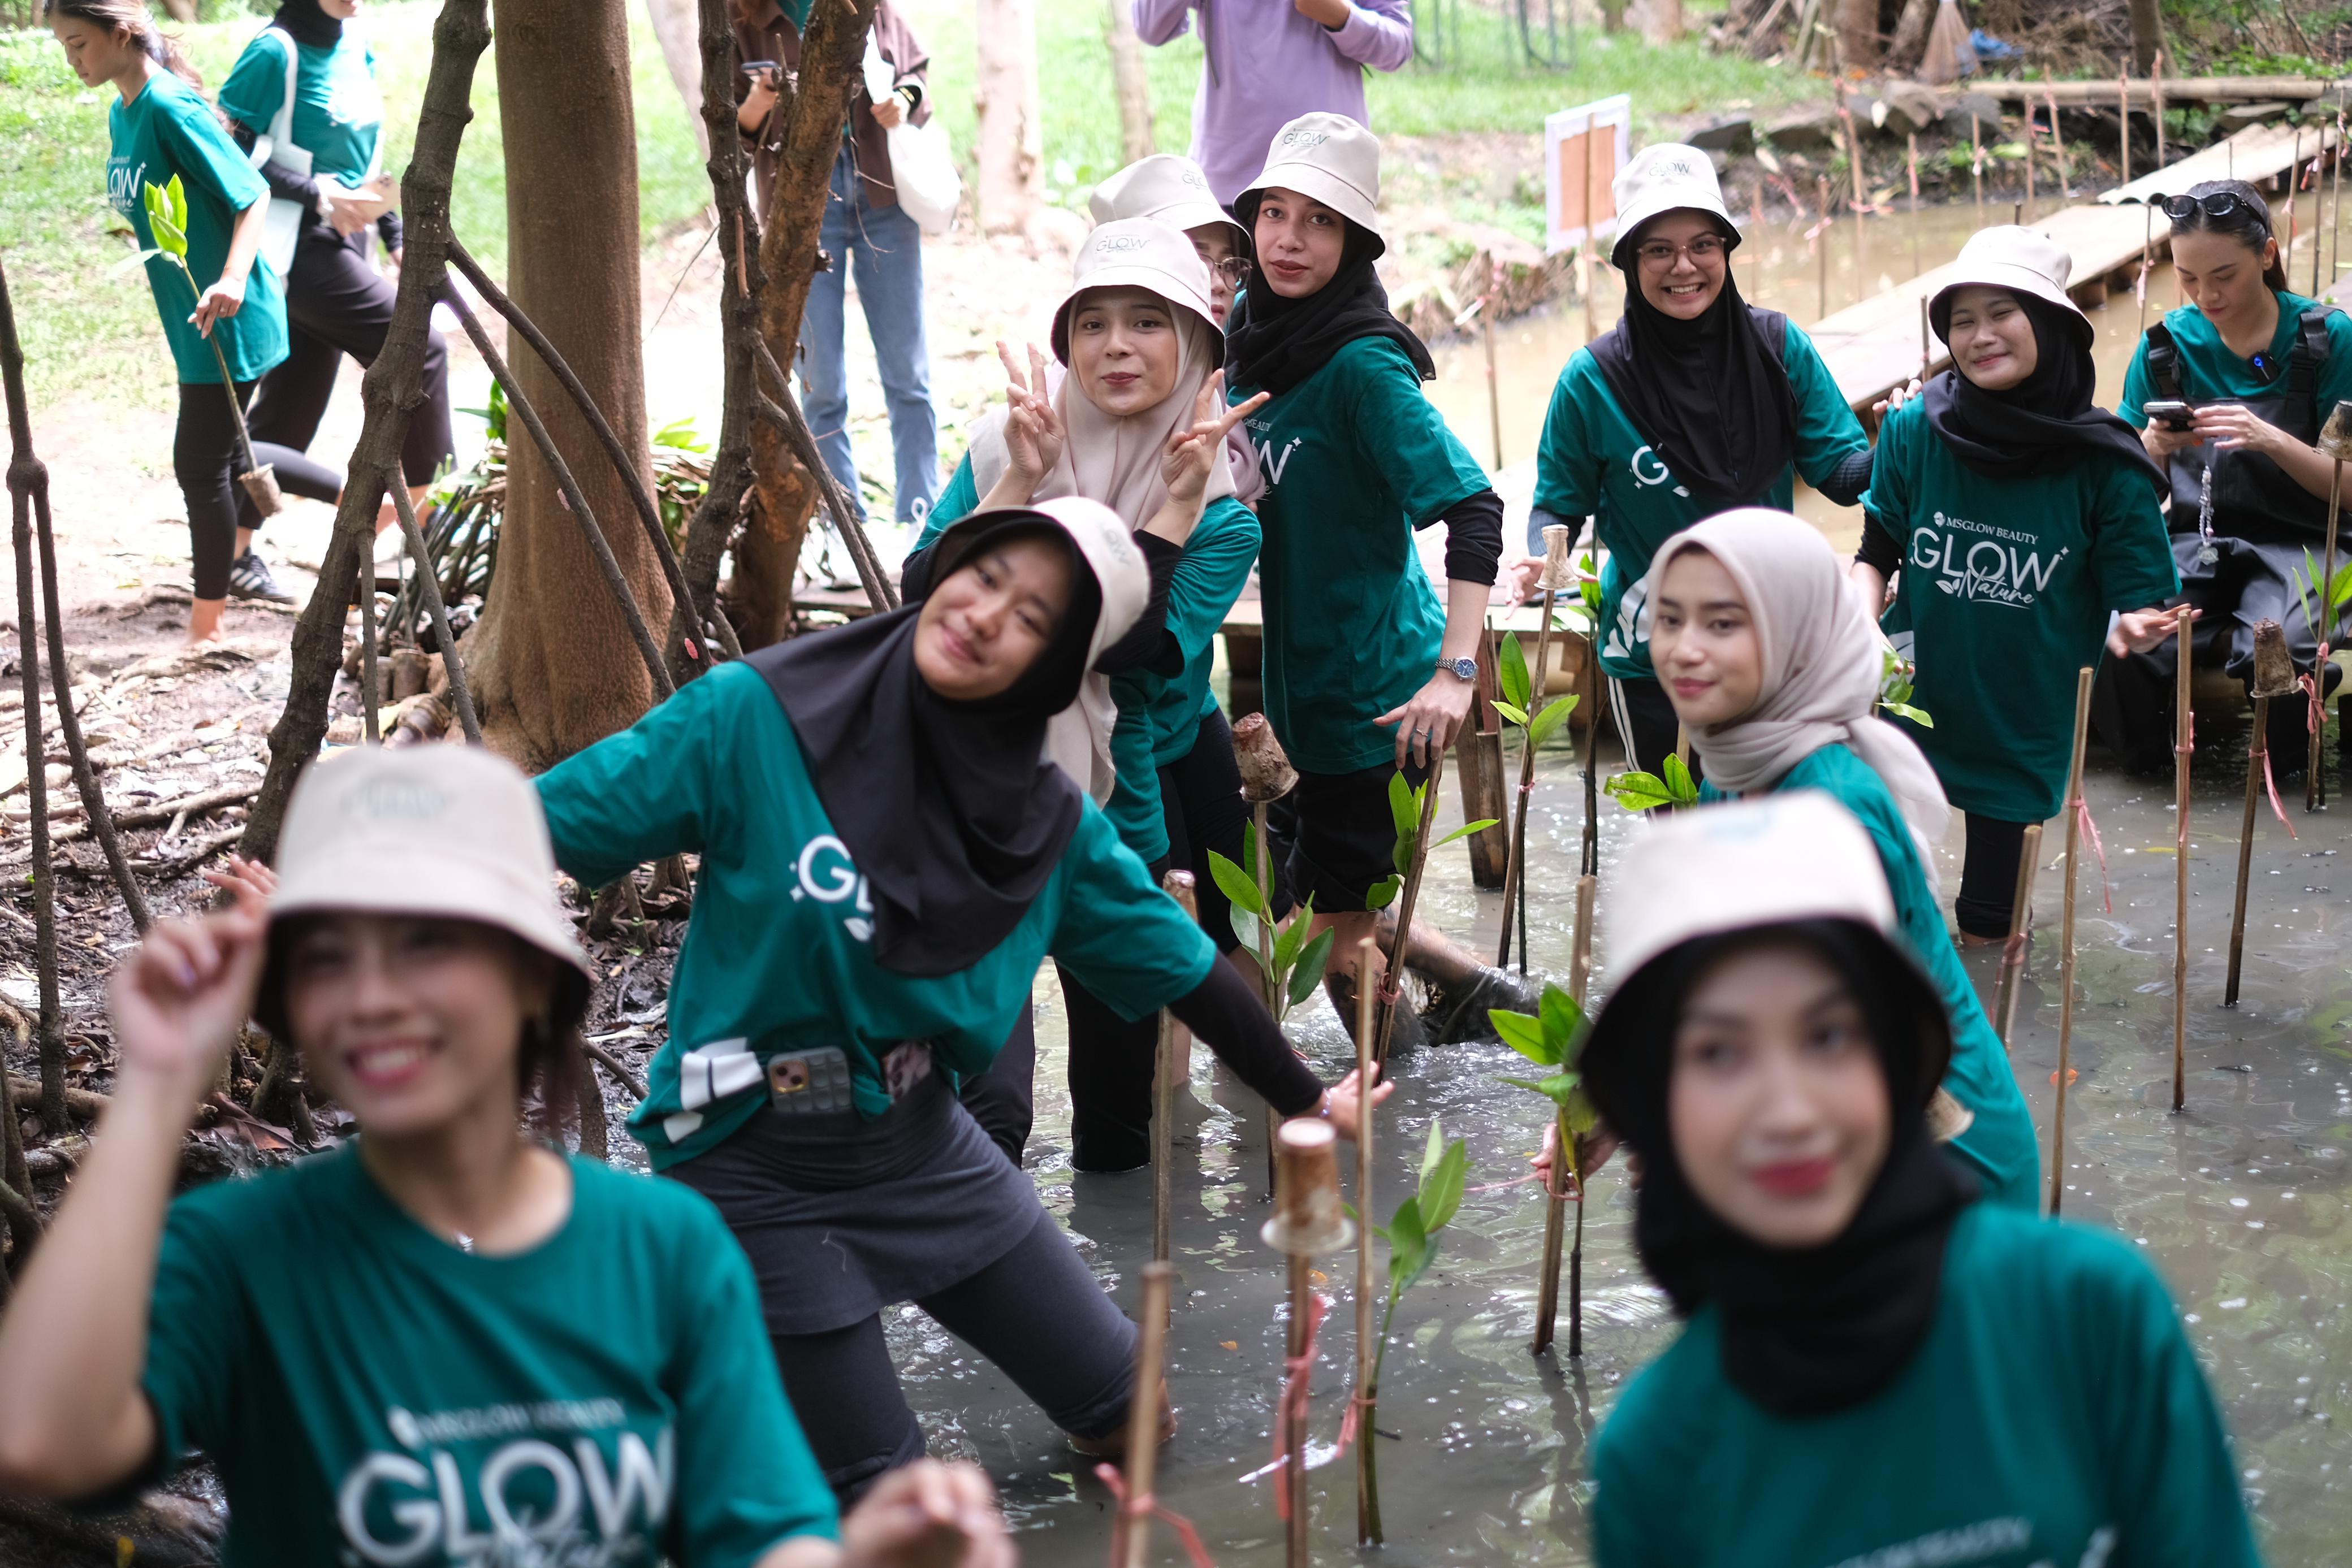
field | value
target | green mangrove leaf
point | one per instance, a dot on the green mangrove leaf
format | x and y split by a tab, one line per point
1409	1247
1549	719
1638	791
1511	674
1404	811
1525	1034
1514	714
1679	780
1904	710
1244	926
1236	884
1441	1188
1383	893
1562	1019
1308	971
1466	830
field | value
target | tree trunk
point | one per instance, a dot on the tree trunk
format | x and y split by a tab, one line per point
554	667
1613	15
676	29
1011	147
2147	35
1910	35
1662	21
1133	83
1857	31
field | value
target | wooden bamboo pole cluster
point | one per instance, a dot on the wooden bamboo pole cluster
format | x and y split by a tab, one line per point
1309	1222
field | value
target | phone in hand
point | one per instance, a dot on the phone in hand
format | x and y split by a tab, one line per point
2171	414
760	71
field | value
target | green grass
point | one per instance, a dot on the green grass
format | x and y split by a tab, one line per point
91	332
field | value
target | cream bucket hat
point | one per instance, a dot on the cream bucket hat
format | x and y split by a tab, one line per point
1667	178
1164	186
2020	260
1140	253
1326	158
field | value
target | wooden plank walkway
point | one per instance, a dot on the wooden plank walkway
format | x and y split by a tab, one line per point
1873	347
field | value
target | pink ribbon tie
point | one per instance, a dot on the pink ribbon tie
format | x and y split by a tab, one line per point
1144	1507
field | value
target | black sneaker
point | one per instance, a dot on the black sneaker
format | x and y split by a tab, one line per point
248	577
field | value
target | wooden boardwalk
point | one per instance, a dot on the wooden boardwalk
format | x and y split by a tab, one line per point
1875	346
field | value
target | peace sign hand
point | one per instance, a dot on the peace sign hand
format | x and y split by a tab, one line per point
1184	467
1033	435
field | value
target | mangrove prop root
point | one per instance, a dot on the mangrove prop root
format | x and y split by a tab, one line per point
393	385
784	412
50	1029
648	514
371	681
574	499
613	1064
460	697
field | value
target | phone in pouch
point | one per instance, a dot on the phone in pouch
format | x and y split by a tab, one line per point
2171	414
811	1083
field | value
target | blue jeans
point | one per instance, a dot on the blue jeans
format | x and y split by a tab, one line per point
886	247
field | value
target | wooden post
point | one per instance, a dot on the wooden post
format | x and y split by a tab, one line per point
1926	339
1367	1496
1584	251
2294	186
2147	258
1170	1070
1404	909
2274	677
2318	211
2336	206
2184	727
1296	1536
2067	941
1265	976
1976	162
2156	96
2012	954
2123	96
1133	1529
1579	971
1478	760
1515	891
2058	144
1823	239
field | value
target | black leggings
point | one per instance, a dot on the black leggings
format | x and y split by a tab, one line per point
1037	1312
206	462
337	304
1989	877
1004	1100
1112	1059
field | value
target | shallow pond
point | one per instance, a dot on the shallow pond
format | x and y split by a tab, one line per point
2241	1202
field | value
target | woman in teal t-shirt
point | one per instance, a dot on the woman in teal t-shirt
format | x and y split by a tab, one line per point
888	856
382	1348
1771	662
2027	528
326	163
1136	423
1366	673
162	129
1873	1369
2262	369
1695	402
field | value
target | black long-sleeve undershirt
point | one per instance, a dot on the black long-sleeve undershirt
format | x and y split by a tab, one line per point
1850	478
1881	552
286	185
1474	537
1225	1009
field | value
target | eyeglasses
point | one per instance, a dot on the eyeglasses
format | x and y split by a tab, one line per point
2219	204
1233	271
1659	256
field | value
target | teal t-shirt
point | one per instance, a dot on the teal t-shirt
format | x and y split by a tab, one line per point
2000	1146
1354	459
2007	587
168	130
338	112
2209	370
1591	461
2054	1417
369	1393
1159	716
778	955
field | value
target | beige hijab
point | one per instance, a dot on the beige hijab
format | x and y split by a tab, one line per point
1823	666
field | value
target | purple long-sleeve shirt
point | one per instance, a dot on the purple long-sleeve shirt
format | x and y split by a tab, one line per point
1267	66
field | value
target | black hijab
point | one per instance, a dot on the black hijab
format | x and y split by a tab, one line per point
310	26
1709	395
1818	1329
1273	343
948	808
2045	423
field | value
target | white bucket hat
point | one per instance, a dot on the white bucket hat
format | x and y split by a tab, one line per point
1326	158
1667	178
448	831
1140	253
1165	186
2020	260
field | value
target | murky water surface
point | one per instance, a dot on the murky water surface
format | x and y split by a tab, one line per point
2241	1202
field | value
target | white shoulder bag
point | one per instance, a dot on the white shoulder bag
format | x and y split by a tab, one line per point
286	218
922	160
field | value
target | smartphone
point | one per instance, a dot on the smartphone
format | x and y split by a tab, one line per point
811	1083
755	69
2171	414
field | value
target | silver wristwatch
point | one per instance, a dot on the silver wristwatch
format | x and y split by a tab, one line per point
1465	668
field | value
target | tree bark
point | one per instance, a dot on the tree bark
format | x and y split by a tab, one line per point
1910	34
1011	147
1662	21
677	29
553	664
2147	35
1857	31
1131	82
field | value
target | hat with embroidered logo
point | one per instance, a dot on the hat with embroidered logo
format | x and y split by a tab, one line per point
1165	186
1326	158
1667	178
1140	252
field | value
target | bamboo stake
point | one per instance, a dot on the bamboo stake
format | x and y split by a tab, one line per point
2318	211
1515	893
2058	143
1579	973
1584	251
1823	241
1134	1525
2029	163
1915	267
1265	971
1308	1220
2156	96
2123	95
2184	722
1556	1194
2336	206
1368	1486
2294	186
1267	777
1404	909
1579	982
2147	257
1926	339
1976	162
2013	953
2315	786
1296	1552
1169	1069
1493	387
2067	941
2274	677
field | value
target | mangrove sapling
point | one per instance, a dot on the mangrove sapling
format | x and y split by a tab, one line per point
1267	777
2274	677
1412	1238
1647	791
1517	706
1553	1038
167	220
1412	811
1290	962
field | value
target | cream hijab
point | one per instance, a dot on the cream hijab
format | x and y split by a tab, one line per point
1823	665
